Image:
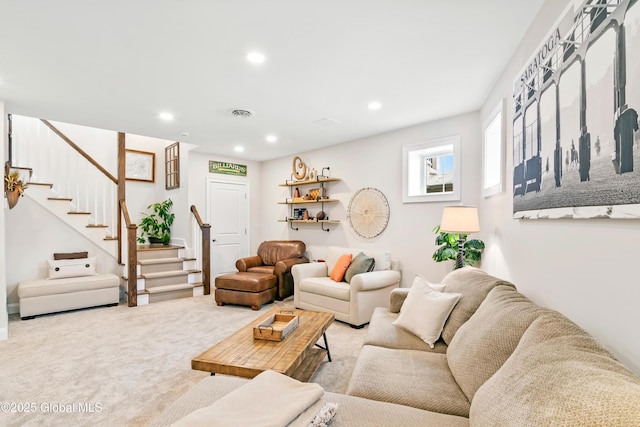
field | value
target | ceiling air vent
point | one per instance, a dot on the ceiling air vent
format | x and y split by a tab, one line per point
241	113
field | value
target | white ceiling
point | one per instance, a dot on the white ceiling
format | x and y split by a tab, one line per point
117	64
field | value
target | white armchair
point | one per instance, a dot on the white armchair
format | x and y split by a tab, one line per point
352	302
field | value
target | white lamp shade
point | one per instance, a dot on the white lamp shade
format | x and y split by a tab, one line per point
460	219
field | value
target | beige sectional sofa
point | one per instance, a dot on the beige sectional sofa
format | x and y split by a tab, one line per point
501	361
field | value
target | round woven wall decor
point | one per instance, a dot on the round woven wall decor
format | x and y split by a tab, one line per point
368	212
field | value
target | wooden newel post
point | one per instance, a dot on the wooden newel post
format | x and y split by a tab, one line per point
132	270
206	258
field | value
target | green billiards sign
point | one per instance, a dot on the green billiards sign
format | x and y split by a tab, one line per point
227	168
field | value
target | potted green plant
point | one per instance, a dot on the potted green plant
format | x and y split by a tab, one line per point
156	225
448	249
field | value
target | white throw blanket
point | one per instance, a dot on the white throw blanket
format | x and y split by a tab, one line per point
269	400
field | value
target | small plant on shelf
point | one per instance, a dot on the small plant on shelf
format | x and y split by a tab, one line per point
13	182
157	224
448	249
13	185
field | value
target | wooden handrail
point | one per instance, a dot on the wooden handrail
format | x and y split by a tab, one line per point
132	257
125	213
206	251
197	215
80	151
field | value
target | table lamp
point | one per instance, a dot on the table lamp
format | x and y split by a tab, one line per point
460	220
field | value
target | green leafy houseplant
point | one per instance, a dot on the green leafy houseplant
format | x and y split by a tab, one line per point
157	224
448	249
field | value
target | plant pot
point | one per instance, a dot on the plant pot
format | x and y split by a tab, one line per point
12	197
155	241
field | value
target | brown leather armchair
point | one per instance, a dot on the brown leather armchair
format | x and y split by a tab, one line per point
276	257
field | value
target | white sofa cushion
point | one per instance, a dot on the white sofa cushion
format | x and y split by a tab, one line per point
43	287
325	286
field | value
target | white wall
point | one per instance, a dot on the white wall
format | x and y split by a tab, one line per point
4	319
142	194
375	162
585	269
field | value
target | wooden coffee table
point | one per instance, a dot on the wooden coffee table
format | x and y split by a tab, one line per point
297	356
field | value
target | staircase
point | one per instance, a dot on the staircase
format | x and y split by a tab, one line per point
164	274
66	210
91	200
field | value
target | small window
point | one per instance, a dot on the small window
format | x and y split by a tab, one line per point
493	164
431	171
172	166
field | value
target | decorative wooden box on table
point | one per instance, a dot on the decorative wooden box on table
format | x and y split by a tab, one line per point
276	327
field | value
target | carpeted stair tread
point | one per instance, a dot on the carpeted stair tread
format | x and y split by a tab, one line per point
142	248
159	261
170	288
165	274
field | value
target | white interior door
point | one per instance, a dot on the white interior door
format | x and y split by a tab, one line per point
228	214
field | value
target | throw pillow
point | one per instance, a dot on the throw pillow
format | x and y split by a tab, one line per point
70	255
360	264
436	286
425	311
72	268
341	267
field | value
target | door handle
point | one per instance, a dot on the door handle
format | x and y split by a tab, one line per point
213	240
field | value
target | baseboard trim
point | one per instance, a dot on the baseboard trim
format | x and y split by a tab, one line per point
13	308
4	330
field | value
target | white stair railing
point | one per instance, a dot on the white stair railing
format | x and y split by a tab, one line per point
54	161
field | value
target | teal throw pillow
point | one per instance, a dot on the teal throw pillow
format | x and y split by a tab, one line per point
360	264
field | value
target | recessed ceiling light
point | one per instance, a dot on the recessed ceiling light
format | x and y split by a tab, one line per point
374	105
255	58
271	138
166	116
238	149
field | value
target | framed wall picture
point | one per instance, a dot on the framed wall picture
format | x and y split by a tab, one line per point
140	165
493	151
172	166
431	171
575	103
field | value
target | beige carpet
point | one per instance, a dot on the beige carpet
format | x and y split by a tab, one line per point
127	364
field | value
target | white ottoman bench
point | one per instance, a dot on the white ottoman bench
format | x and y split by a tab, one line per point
43	296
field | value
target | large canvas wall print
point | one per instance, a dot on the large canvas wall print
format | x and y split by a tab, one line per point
576	138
